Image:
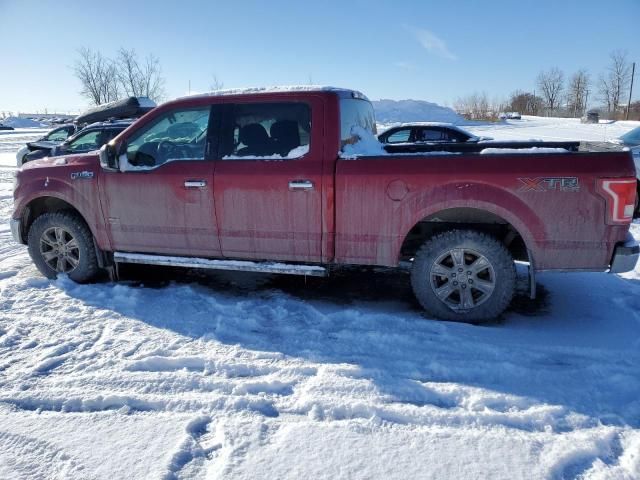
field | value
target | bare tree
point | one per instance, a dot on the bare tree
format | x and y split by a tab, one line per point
216	83
551	84
474	106
98	76
525	102
576	92
104	80
614	84
140	79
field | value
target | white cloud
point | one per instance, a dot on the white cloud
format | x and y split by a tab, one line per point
431	42
405	65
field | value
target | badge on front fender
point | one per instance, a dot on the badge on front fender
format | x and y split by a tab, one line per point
81	175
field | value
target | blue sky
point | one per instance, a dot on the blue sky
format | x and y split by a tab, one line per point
429	50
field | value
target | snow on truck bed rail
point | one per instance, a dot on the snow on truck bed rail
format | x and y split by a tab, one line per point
493	151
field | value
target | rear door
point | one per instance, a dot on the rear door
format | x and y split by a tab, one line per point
163	200
267	181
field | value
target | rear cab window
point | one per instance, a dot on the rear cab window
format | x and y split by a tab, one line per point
355	114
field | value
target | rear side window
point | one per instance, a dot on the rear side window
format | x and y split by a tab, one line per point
431	135
356	113
279	130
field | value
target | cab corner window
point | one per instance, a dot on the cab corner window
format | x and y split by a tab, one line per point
176	135
268	131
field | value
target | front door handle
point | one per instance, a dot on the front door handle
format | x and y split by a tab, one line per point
300	185
195	183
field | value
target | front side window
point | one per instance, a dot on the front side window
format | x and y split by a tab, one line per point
58	135
270	130
85	143
176	135
92	140
355	114
400	136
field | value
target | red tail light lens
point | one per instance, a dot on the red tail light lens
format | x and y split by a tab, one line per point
620	194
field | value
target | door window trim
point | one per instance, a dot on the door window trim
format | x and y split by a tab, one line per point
225	139
211	141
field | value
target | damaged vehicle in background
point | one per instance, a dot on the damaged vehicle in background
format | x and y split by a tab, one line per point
89	131
86	140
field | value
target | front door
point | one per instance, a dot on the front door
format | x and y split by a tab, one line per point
268	180
162	200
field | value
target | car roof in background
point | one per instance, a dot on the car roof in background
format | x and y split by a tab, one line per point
632	136
113	124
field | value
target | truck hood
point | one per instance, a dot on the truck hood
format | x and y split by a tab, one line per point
82	160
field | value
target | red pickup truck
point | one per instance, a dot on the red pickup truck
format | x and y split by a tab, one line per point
267	180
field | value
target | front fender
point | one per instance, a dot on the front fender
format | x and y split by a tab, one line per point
81	194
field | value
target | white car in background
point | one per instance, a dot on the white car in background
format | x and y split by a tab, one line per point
631	139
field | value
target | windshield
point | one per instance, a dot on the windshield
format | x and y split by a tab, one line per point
355	113
632	137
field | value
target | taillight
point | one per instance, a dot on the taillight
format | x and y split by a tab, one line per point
620	194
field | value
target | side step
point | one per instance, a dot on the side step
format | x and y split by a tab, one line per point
237	265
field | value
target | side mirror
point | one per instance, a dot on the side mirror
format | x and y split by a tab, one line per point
108	158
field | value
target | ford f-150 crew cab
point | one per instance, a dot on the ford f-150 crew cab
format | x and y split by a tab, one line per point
272	180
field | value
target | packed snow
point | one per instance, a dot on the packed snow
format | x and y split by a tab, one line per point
391	112
493	151
17	122
178	374
552	129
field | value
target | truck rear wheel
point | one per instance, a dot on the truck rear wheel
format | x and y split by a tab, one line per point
464	276
60	242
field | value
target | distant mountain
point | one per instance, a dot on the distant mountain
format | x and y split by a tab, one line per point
402	111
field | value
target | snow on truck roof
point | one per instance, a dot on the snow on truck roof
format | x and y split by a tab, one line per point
343	92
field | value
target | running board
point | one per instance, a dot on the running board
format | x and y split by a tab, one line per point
237	265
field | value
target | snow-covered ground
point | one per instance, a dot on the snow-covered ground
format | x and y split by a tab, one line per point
229	375
553	129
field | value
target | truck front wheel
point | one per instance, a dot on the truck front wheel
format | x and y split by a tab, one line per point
463	275
60	242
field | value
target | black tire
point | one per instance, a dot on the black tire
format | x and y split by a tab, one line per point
73	227
431	272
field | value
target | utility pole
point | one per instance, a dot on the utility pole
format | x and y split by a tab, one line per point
633	72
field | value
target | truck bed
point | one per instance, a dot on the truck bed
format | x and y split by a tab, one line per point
549	199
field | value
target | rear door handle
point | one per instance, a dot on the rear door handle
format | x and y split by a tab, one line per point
300	185
195	183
